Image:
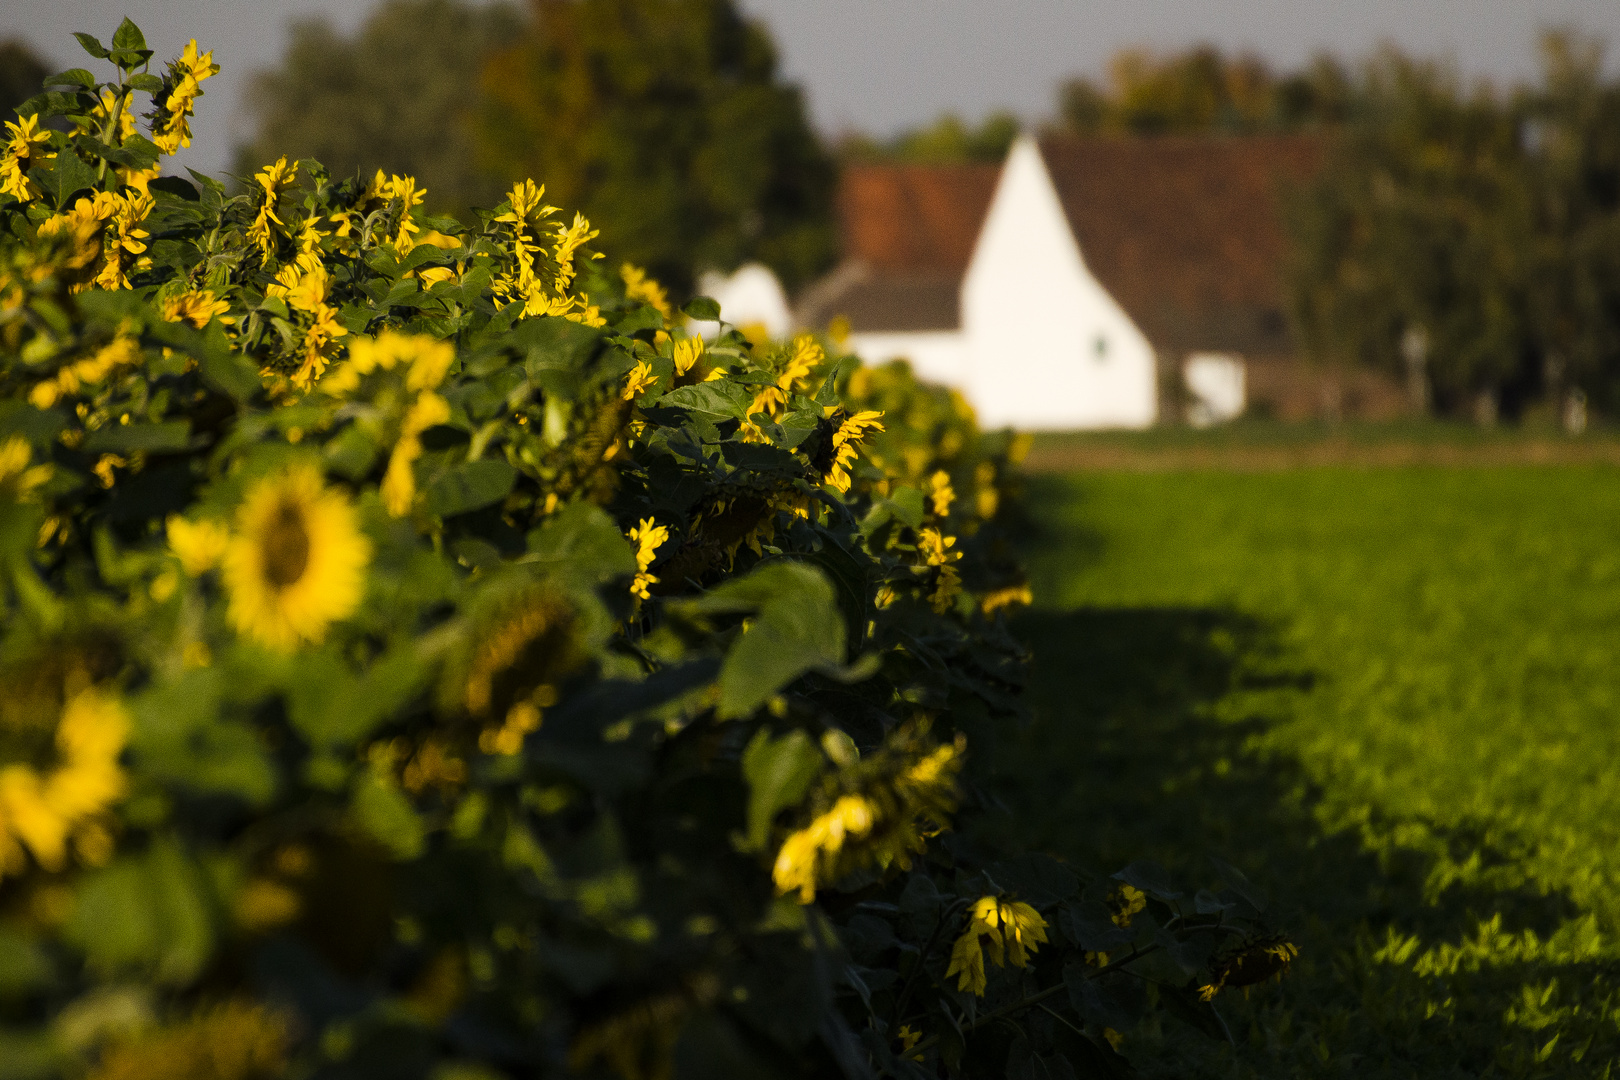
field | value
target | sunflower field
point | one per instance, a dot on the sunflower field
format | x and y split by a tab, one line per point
422	657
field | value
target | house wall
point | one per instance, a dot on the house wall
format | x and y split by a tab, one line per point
1046	346
937	356
750	295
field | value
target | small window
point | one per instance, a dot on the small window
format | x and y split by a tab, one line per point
1099	348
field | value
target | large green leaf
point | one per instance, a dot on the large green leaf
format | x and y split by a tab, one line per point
779	772
558	350
720	400
153	914
797	627
332	706
471	485
580	540
67	174
383	811
181	738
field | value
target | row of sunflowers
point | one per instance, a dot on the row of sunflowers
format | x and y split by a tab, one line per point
423	656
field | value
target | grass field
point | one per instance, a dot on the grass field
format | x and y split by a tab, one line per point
1390	695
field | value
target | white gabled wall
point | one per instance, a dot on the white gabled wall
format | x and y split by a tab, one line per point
752	294
1046	346
936	356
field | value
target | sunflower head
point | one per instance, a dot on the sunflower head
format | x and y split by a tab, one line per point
232	1040
1254	961
296	561
524	648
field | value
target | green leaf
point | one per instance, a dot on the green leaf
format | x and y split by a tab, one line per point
92	46
797	628
128	36
381	809
558	350
124	438
471	485
1104	1002
136	153
71	77
333	707
152	914
177	186
229	372
904	506
180	738
581	540
702	308
779	772
1150	877
1087	924
722	400
68	176
1239	883
403	289
638	319
24	965
1036	879
148	84
130	58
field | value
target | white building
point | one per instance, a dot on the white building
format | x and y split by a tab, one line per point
1083	284
751	296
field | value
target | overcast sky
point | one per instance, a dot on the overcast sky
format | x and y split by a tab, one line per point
881	65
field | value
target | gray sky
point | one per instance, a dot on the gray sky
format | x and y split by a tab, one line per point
881	65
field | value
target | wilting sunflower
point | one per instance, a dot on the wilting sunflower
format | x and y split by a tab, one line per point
45	805
297	560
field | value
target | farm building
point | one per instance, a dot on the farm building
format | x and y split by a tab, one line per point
1153	269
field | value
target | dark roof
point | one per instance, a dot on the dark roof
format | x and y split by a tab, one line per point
908	232
1184	231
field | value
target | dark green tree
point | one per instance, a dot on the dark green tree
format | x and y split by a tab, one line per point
1201	90
1572	134
1413	249
21	73
668	123
400	95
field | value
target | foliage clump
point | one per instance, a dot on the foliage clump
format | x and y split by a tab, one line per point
422	655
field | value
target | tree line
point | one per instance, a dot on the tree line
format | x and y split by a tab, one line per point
1462	237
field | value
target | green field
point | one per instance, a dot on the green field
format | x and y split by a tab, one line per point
1391	697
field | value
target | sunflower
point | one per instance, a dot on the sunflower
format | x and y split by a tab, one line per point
44	806
297	560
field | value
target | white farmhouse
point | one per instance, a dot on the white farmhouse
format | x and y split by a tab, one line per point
748	297
1085	283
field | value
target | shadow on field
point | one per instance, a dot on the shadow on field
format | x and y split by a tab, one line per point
1144	744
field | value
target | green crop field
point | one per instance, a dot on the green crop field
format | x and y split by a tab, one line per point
1391	697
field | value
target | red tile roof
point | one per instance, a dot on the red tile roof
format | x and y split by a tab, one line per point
914	218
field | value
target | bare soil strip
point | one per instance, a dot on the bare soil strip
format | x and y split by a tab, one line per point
1065	456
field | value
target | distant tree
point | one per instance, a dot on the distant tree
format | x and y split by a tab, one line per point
1083	108
1413	250
21	73
668	123
947	140
1322	94
1200	90
400	95
1571	131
